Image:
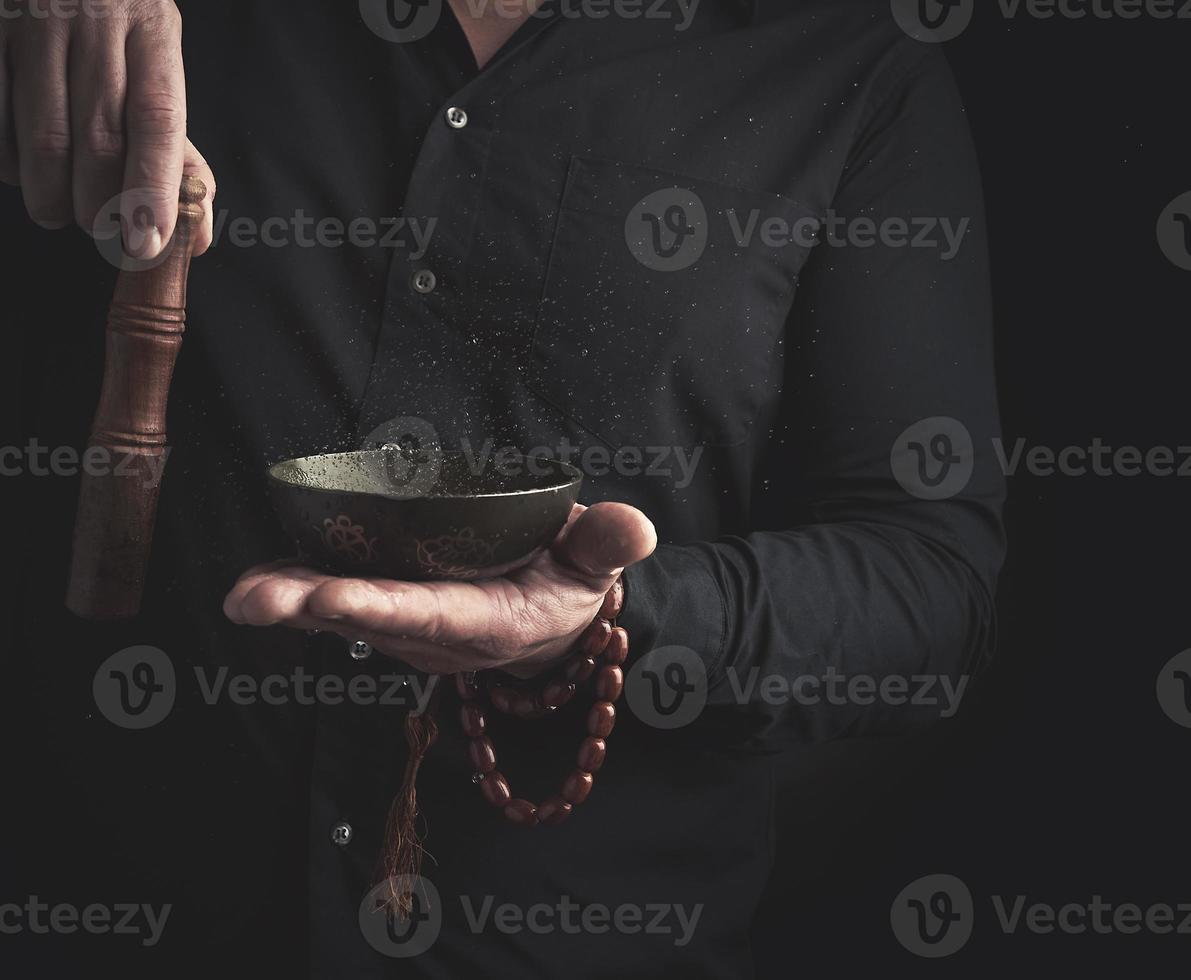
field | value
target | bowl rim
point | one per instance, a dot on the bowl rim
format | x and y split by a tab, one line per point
573	473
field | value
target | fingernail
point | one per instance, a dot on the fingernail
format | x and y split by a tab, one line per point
151	243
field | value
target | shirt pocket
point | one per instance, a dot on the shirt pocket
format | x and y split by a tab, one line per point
664	304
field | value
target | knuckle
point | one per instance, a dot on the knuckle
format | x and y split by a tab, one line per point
157	115
102	142
49	142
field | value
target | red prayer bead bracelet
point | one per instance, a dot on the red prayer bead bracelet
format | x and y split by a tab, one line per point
600	651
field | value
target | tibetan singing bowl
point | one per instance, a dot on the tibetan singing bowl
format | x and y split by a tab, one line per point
390	513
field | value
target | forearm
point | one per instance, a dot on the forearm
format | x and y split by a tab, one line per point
822	632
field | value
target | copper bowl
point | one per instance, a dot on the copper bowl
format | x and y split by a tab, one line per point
442	515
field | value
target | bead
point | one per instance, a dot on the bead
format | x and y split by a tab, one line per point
525	705
554	810
593	639
577	786
613	601
617	650
502	699
591	754
601	719
482	754
581	669
521	812
557	693
471	719
465	684
609	683
495	788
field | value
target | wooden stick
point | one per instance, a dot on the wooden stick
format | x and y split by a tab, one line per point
113	533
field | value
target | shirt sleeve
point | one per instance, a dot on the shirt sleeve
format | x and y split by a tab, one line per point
871	602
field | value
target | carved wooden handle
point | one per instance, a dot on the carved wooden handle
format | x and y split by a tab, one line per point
113	532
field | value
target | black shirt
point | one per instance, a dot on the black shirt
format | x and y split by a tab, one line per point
622	258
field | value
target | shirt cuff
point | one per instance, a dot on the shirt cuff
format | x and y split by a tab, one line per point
671	599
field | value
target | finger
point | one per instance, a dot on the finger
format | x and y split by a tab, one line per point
42	120
276	599
98	83
155	124
196	166
10	171
354	608
406	609
606	538
286	568
302	598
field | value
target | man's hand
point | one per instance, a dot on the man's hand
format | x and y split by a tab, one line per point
521	622
92	105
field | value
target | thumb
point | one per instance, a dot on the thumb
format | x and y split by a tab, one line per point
605	538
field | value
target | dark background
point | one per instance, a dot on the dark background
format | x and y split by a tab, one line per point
1062	778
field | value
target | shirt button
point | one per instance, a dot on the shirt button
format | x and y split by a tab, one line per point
423	281
341	834
456	117
360	650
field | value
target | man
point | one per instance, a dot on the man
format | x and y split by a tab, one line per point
701	248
